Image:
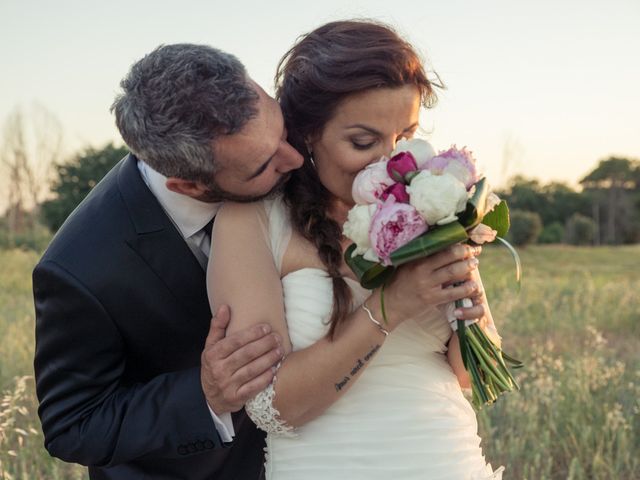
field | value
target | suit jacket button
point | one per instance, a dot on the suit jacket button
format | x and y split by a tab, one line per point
199	445
182	450
192	448
208	444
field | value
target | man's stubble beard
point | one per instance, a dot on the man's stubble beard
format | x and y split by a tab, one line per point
215	194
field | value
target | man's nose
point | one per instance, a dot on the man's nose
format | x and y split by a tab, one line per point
288	158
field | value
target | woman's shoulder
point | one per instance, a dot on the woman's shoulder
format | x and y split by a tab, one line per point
265	221
262	208
243	214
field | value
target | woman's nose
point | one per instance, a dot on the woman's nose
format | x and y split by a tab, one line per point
390	146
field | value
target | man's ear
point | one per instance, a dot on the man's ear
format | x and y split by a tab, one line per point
189	188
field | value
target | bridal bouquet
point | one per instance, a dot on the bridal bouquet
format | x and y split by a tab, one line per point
415	204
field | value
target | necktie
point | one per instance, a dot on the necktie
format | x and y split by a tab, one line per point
207	229
200	244
205	245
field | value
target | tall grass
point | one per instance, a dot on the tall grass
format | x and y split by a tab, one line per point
576	324
22	455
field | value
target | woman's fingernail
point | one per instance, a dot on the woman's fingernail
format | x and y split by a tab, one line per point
457	313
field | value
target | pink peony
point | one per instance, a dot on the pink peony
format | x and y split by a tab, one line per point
370	183
401	164
457	162
398	190
393	225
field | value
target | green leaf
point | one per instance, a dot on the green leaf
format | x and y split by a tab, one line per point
498	219
476	205
431	242
370	274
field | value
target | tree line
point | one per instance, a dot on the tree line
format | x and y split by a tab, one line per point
605	210
43	190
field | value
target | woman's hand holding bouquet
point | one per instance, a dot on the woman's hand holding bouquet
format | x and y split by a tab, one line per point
415	204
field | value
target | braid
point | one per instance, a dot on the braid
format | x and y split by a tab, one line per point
320	71
308	203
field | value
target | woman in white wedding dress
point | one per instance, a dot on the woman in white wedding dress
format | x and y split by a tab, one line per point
354	397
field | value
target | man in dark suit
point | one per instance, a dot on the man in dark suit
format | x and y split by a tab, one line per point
134	378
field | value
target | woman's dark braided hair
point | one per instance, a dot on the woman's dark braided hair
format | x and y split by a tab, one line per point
323	68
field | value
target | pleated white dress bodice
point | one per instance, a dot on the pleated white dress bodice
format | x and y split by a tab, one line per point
405	417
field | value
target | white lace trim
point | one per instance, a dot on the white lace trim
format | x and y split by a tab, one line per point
265	415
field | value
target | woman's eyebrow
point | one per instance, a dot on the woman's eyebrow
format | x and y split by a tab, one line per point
365	127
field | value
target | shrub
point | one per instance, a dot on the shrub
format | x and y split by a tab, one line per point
35	236
580	230
525	227
552	233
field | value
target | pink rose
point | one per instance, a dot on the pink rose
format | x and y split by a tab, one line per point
457	162
398	190
482	234
393	225
370	183
401	164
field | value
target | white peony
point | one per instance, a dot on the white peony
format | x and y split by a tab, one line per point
437	197
357	227
421	150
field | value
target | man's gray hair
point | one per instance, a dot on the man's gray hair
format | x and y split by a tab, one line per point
176	101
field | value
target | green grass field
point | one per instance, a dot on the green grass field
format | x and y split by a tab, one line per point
575	323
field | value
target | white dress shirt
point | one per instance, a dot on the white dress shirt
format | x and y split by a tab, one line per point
190	216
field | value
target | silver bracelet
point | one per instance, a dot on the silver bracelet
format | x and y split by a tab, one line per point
378	324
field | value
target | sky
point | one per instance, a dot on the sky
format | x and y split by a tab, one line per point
541	88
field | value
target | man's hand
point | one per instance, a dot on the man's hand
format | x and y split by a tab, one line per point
235	368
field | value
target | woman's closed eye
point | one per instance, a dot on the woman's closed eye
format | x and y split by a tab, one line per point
358	146
363	143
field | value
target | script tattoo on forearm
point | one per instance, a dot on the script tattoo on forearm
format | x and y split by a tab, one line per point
356	368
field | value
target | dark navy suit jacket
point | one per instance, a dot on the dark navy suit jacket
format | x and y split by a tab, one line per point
121	320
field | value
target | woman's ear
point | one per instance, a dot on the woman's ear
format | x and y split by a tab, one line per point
309	142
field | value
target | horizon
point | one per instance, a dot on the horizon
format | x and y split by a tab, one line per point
541	90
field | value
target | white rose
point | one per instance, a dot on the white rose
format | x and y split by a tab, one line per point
357	227
421	150
437	197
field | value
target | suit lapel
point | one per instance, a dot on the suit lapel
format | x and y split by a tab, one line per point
160	244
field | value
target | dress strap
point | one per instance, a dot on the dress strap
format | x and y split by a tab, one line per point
279	228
